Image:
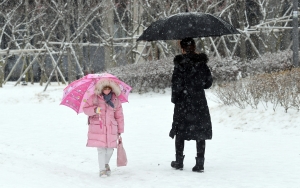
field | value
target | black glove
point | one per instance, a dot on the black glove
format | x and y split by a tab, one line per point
172	133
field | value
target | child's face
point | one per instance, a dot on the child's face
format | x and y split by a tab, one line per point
106	90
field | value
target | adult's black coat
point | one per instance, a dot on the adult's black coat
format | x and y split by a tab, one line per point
191	119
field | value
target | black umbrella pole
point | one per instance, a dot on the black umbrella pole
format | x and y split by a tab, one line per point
295	34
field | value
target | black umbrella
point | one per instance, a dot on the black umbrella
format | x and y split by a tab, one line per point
188	24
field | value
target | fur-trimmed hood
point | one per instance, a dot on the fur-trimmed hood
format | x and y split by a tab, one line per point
107	82
193	58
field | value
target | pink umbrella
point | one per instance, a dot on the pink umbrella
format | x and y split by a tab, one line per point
77	92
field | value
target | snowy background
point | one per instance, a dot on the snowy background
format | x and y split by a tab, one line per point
42	144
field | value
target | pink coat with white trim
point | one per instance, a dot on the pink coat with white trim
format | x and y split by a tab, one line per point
112	121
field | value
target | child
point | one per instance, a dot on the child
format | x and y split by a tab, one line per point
106	121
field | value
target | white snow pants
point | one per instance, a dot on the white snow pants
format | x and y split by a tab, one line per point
104	155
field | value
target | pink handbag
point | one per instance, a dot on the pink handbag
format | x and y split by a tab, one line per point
121	154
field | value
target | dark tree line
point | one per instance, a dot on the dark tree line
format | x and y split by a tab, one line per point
85	36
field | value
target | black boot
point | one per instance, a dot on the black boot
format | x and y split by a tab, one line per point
178	164
199	165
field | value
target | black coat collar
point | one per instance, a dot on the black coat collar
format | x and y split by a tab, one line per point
191	58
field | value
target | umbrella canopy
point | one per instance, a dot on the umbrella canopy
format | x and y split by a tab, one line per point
77	92
187	25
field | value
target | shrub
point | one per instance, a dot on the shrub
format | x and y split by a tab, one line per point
144	77
276	88
156	75
231	69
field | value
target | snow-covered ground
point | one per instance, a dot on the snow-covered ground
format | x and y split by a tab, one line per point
42	144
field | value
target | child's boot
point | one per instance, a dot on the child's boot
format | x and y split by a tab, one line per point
108	172
102	173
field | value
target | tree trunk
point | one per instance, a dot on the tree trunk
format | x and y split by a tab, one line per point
253	15
1	72
154	51
29	74
78	48
108	26
284	44
71	71
241	12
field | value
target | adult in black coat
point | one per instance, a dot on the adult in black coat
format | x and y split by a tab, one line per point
191	119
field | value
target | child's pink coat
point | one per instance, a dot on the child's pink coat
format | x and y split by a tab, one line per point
104	134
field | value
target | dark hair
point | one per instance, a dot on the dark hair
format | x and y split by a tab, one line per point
188	44
106	86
